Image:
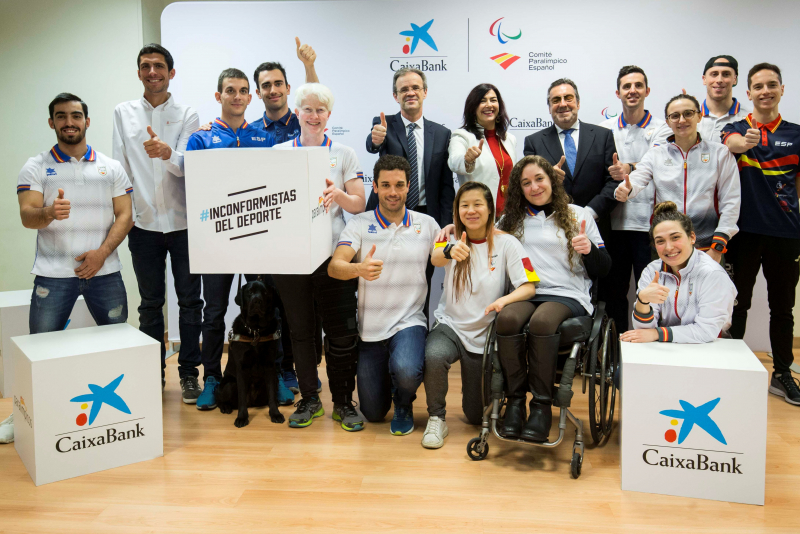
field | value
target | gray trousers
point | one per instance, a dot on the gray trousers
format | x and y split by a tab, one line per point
443	349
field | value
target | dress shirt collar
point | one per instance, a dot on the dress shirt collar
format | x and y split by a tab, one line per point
147	105
419	123
575	127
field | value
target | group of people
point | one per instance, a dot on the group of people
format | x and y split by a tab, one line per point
675	202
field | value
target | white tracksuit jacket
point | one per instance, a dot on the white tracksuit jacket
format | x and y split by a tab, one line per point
703	183
700	302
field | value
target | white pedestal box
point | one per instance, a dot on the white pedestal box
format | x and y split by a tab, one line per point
257	210
14	311
86	400
694	420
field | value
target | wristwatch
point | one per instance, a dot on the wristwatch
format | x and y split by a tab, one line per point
719	247
447	248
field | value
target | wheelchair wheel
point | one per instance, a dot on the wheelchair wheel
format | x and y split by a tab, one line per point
477	451
602	393
575	465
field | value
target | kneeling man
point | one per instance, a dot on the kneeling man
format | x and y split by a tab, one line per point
391	321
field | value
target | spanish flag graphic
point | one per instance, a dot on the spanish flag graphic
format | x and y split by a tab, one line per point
529	272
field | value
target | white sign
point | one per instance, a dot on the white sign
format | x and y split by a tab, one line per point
14	315
86	400
695	420
257	210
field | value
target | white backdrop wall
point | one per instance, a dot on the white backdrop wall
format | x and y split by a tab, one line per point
359	45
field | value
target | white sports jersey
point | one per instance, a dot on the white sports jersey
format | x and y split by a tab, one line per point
344	167
160	197
394	301
466	315
546	246
700	302
632	141
703	183
89	184
710	127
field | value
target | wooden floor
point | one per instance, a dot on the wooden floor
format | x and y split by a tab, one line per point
215	478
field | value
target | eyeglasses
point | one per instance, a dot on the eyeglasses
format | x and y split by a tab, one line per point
413	89
556	100
687	115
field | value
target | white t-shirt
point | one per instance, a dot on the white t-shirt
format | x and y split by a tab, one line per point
89	184
465	315
394	301
344	167
546	246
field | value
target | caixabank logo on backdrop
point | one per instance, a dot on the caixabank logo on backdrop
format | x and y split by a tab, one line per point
419	50
102	434
514	49
691	420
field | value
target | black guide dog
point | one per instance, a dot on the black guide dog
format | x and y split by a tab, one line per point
250	377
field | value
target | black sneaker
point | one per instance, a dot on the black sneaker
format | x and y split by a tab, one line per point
190	389
785	385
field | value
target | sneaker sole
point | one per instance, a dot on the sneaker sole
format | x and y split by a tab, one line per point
203	408
293	389
286	402
189	401
398	433
439	446
780	393
294	423
354	428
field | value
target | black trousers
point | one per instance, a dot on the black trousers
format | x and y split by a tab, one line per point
778	257
629	250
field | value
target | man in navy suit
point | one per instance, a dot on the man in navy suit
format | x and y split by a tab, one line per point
583	154
424	144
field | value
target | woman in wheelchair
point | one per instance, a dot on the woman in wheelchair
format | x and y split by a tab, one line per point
685	296
567	251
476	269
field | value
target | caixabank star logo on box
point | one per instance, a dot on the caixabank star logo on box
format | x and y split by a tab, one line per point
106	433
419	39
693	456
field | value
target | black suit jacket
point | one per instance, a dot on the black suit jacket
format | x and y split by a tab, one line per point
439	190
591	185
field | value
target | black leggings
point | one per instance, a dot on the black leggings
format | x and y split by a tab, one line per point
543	318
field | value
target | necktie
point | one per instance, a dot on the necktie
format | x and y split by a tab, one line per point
569	150
413	182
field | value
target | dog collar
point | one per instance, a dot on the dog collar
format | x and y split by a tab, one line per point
255	339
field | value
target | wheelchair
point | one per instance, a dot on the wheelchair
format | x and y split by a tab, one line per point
589	346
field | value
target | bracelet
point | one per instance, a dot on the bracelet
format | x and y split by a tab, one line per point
447	248
641	301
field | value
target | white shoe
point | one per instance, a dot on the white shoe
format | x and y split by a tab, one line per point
8	421
435	432
7	432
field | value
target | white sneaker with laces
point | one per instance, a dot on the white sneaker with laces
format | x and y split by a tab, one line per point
8	420
7	430
435	432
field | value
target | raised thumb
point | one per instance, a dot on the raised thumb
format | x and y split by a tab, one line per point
297	41
151	132
583	227
383	119
61	194
614	159
480	145
628	182
561	161
371	252
683	91
655	278
464	237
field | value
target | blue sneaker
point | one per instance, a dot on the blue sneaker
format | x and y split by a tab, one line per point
208	398
290	381
403	421
285	395
319	385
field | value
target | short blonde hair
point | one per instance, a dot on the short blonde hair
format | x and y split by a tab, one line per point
321	92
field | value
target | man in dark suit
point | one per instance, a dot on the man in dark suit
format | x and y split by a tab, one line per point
583	153
424	144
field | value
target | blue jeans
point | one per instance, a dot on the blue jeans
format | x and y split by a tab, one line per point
149	254
53	299
390	370
216	294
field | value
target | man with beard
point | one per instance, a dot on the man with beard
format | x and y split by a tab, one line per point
75	248
149	139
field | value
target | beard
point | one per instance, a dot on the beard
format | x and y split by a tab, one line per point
74	139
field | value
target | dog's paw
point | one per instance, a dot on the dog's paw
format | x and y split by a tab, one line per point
225	409
241	421
277	418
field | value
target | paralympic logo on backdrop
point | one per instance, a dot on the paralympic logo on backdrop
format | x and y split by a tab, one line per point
693	416
500	34
98	397
605	114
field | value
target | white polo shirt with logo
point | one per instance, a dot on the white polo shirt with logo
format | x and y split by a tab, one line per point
710	127
394	301
344	167
465	315
89	184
